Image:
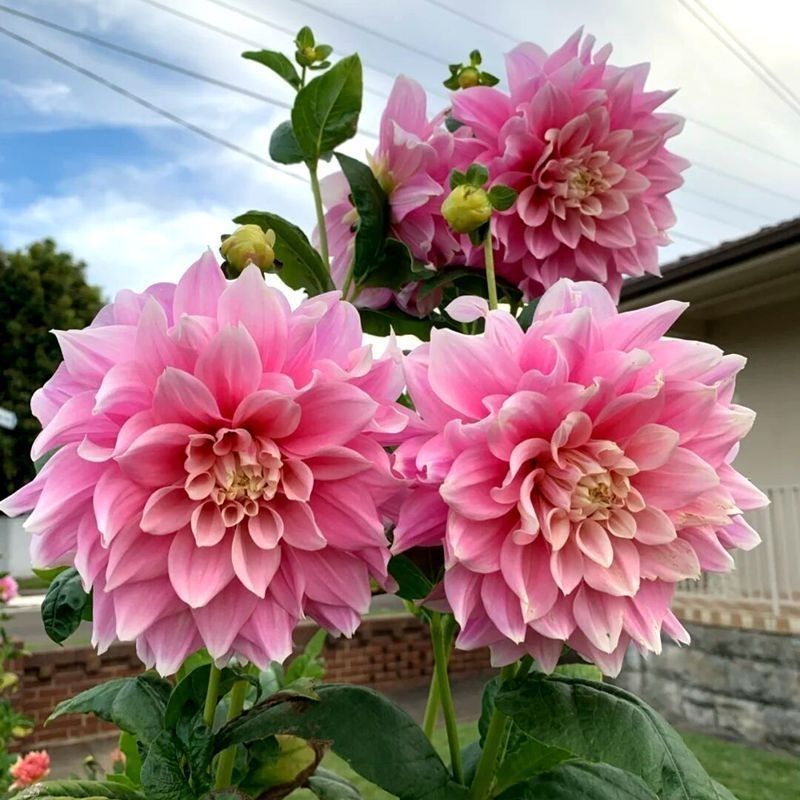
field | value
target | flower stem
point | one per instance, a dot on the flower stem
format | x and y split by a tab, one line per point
440	649
348	281
431	708
492	746
323	233
227	758
491	280
212	696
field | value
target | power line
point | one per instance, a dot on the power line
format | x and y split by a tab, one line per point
712	217
727	204
147	58
755	64
242	39
147	104
767	190
695	239
719	131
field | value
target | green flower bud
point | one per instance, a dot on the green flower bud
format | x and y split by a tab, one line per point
469	77
248	244
467	208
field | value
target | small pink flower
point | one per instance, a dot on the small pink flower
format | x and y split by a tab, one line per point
220	472
412	164
576	472
30	768
8	588
581	142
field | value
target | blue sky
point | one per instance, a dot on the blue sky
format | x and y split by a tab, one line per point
138	198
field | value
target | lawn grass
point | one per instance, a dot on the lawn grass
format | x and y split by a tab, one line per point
750	773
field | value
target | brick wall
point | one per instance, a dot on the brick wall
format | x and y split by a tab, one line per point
387	652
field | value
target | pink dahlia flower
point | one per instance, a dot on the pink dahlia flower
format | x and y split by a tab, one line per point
583	468
8	588
30	768
219	473
412	164
581	142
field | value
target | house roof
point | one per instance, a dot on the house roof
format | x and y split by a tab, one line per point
762	242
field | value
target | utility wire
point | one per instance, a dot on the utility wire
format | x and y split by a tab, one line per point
719	131
212	137
727	203
767	190
242	39
146	58
755	64
695	239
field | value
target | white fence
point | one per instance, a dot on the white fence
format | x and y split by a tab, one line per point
770	573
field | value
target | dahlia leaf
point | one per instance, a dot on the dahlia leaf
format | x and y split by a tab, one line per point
190	692
326	110
98	701
381	323
411	581
581	779
301	265
588	672
327	785
78	790
163	776
283	146
64	604
140	705
502	197
378	739
278	63
600	722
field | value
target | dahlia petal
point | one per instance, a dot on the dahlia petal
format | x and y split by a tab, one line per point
155	458
199	290
653	526
651	446
739	534
138	605
463	589
672	562
117	500
300	527
265	528
269	630
167	510
207	524
181	398
526	571
422	520
567	566
198	574
503	607
469	481
220	621
171	640
599	617
683	477
595	543
131	560
297	480
621	579
253	566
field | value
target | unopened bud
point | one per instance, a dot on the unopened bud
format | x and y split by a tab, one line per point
469	77
248	244
467	208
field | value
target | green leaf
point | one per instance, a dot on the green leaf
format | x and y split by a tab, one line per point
304	38
326	110
395	267
133	760
327	785
373	215
385	320
140	705
313	648
322	51
49	575
378	739
191	691
226	794
525	319
63	605
600	722
39	464
98	700
283	146
588	672
477	175
162	775
525	757
278	63
722	792
302	267
487	79
584	780
502	197
412	582
457	178
91	790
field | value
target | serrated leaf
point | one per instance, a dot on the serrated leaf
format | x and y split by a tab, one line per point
584	780
191	691
90	790
326	110
278	63
372	206
601	722
378	739
302	266
162	775
140	705
283	146
98	701
502	197
63	605
382	322
412	582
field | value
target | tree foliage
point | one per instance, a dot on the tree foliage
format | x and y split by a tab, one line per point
41	289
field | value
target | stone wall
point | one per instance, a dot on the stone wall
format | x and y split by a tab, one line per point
743	684
387	653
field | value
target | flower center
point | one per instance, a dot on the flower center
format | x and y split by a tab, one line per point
583	183
234	471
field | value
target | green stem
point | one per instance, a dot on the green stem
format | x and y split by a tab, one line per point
491	281
227	758
212	697
323	233
492	747
448	708
431	708
349	279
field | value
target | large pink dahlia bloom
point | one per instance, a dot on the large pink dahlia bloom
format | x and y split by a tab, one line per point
577	471
412	163
219	473
581	142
